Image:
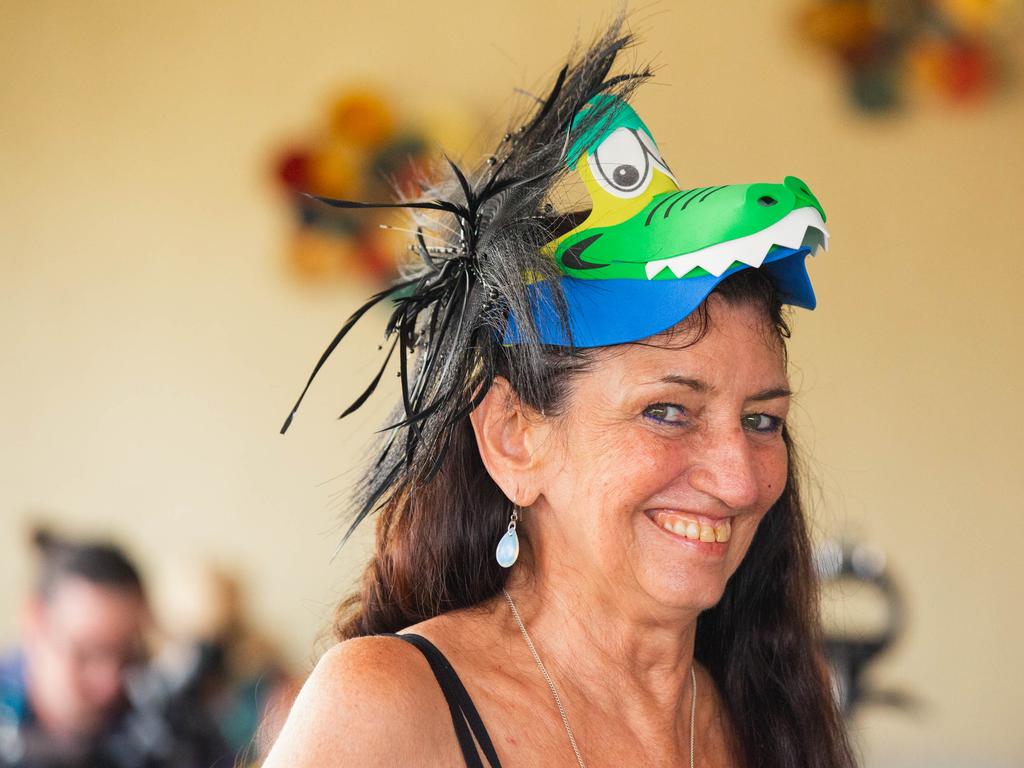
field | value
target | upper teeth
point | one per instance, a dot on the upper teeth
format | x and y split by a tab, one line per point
801	228
697	530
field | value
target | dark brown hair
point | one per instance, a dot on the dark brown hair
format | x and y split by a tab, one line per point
98	562
761	643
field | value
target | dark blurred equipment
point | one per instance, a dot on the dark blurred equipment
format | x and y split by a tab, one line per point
864	615
79	692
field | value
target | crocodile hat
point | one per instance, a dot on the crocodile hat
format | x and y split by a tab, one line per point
649	252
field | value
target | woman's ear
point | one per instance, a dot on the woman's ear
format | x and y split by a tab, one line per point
507	437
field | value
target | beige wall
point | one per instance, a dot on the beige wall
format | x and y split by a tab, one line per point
151	343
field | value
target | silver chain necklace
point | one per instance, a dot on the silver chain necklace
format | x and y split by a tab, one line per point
558	699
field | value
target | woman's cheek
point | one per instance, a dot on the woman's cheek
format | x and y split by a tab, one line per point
775	474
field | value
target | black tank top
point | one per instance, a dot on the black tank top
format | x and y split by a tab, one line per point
469	728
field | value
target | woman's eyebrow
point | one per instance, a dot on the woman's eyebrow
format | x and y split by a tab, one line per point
703	387
695	384
770	394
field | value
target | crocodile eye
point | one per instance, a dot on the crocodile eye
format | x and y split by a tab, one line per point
622	164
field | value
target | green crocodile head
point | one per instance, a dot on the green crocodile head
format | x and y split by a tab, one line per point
643	226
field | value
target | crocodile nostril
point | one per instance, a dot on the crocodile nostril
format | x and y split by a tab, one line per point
767	201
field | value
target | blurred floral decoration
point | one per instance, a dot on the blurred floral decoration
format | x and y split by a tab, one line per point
362	152
951	48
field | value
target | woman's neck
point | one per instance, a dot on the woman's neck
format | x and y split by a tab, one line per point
617	650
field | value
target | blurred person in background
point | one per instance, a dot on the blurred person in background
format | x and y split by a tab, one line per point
232	667
79	690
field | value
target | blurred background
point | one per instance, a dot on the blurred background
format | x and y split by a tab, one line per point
163	296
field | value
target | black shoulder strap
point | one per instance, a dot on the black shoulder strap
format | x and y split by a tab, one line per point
460	705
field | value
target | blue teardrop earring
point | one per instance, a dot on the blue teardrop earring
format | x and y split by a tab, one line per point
508	547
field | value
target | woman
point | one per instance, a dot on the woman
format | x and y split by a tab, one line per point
603	395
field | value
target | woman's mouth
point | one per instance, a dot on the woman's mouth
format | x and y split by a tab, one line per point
693	527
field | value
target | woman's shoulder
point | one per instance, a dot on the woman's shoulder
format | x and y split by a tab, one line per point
360	691
379	666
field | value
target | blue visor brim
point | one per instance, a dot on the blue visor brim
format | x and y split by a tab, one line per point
606	312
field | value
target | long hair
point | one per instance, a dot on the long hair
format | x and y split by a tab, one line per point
761	643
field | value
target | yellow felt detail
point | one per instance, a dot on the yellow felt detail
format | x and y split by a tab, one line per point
606	208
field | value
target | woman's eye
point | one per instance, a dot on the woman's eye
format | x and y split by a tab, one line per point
666	413
762	422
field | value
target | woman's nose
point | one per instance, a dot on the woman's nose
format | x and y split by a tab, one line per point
727	469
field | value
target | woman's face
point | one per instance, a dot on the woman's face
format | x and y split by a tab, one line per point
660	449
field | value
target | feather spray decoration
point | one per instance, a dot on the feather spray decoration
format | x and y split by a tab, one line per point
453	307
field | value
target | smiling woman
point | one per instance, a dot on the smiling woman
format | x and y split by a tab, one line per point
693	453
618	431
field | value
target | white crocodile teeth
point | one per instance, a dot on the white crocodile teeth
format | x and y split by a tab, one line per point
803	227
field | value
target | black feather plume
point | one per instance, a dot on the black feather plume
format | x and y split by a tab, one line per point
452	307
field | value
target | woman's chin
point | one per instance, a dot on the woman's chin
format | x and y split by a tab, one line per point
682	574
687	594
